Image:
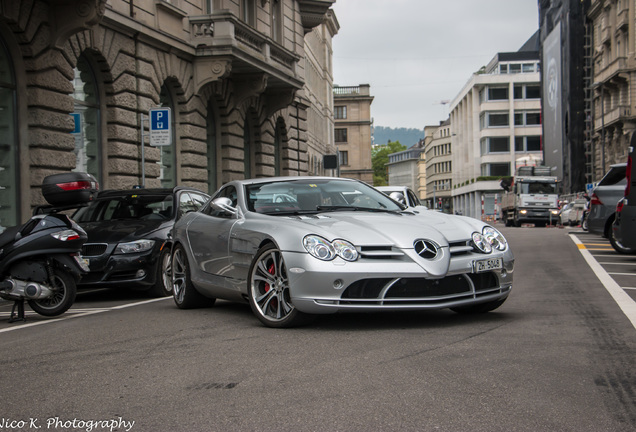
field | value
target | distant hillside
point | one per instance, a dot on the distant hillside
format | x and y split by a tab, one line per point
405	136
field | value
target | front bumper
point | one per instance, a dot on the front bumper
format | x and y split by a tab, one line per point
319	287
122	270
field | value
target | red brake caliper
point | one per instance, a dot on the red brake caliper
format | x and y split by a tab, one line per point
270	270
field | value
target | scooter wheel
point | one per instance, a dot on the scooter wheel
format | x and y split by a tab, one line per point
64	291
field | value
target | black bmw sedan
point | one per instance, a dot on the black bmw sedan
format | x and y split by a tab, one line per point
129	236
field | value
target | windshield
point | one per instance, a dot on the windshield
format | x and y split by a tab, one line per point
537	188
127	207
316	195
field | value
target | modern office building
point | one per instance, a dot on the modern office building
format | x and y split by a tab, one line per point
404	168
248	85
439	166
495	124
352	117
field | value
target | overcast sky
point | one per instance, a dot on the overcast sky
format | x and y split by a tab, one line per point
417	54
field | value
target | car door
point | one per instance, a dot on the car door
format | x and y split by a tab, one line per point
209	235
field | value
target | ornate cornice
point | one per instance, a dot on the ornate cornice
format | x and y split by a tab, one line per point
312	12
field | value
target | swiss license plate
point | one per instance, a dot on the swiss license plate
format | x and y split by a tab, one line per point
487	265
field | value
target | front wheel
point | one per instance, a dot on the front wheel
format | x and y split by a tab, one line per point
64	291
163	283
268	289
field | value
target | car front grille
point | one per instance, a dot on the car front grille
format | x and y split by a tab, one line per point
386	291
94	249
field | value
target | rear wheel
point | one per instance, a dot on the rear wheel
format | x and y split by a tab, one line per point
269	293
618	247
184	293
64	290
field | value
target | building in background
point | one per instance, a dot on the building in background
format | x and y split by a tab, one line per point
609	82
404	167
439	166
566	60
248	84
352	117
495	123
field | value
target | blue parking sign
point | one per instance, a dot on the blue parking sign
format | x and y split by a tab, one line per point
160	127
77	123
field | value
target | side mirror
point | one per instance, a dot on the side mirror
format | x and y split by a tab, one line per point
223	204
397	196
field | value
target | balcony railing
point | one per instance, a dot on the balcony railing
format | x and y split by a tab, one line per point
222	33
618	65
619	113
362	90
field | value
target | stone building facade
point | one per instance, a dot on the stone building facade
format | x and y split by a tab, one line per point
610	58
233	73
352	117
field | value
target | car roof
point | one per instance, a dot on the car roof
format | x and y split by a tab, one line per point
288	178
144	191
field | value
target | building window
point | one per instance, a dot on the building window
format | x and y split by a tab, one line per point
248	12
527	143
9	197
527	118
87	106
277	21
495	145
494	119
527	68
340	135
497	93
343	158
208	6
503	68
212	149
340	112
496	169
515	68
527	91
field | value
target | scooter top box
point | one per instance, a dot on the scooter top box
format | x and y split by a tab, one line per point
67	189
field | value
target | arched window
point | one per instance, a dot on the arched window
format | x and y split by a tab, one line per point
9	201
168	159
212	148
87	107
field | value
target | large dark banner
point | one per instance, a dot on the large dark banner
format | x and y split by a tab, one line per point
552	106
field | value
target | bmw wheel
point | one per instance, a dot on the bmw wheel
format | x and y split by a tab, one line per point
185	294
268	288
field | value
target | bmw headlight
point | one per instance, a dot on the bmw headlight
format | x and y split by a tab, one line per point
481	243
325	250
495	238
134	246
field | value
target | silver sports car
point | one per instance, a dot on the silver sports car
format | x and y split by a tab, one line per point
297	246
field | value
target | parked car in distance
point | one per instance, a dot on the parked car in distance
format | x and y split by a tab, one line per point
129	236
572	212
409	198
623	236
340	246
604	198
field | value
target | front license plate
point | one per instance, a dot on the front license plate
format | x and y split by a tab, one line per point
487	265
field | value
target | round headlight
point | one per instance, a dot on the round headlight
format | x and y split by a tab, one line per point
345	250
481	243
319	248
495	238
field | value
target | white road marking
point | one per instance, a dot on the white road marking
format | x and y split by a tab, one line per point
624	301
73	313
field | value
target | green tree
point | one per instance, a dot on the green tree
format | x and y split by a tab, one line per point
379	159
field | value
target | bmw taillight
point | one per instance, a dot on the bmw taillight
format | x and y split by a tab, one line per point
619	205
595	200
66	235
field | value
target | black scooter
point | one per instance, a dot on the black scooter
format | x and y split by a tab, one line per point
40	261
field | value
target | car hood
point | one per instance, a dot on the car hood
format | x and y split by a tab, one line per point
115	231
364	228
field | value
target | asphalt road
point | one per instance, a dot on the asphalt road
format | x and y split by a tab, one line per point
559	355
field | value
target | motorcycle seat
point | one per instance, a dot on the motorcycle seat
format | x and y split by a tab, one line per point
9	235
